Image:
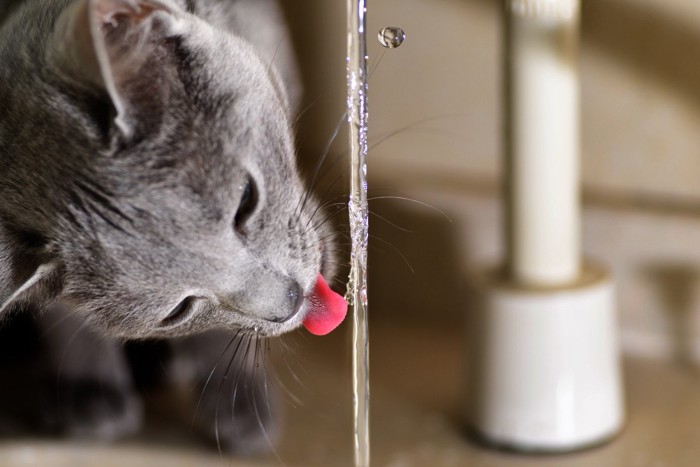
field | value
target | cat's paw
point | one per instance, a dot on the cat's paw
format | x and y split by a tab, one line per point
91	410
244	422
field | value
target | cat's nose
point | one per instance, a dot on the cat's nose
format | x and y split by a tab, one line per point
295	298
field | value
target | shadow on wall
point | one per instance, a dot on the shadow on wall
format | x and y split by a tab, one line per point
676	285
654	43
415	264
320	108
643	35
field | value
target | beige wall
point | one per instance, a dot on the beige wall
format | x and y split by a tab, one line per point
641	151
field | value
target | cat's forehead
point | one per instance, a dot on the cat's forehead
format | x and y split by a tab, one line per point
237	96
221	120
225	62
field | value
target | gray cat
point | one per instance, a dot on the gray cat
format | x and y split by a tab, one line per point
148	190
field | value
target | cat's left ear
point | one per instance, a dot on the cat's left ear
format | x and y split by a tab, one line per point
114	44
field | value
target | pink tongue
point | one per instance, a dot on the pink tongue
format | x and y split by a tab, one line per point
328	309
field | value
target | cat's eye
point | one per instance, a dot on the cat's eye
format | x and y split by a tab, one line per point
180	312
247	205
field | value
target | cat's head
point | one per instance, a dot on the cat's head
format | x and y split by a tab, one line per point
183	209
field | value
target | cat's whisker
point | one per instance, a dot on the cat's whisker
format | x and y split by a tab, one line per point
382	137
333	205
376	65
329	143
396	250
287	351
274	55
286	347
338	250
59	371
255	404
295	401
299	116
337	157
340	207
54	325
206	384
221	385
241	369
403	229
265	359
331	236
324	205
337	282
324	155
330	217
411	200
377	250
328	203
343	248
337	208
341	235
344	244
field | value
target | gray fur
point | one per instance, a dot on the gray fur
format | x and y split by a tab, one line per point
128	131
127	177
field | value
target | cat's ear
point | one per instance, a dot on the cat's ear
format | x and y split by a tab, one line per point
43	286
111	42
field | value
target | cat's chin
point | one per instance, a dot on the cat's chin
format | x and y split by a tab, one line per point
236	323
272	329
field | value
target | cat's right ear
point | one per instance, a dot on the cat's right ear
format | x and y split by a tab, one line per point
107	43
43	286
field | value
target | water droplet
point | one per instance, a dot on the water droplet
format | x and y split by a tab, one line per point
391	37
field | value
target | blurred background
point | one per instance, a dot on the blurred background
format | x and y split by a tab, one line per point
435	137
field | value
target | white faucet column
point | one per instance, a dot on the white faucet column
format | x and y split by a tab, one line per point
545	373
542	141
